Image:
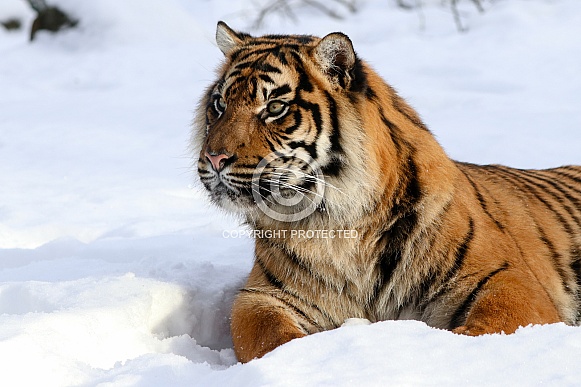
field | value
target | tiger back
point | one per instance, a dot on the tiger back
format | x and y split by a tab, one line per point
359	213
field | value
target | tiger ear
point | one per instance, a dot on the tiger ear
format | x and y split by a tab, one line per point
336	57
226	38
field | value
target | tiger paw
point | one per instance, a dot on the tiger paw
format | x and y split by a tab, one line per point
355	321
473	331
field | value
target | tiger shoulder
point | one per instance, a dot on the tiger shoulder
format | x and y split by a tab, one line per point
303	139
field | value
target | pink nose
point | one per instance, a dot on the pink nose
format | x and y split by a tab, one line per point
217	161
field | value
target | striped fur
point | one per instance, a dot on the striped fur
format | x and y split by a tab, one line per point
473	249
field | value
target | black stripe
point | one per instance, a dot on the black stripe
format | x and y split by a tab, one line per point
270	277
391	127
302	265
240	175
461	251
370	94
564	222
204	172
285	39
395	238
481	200
298	120
561	188
234	73
576	267
358	78
337	73
239	83
333	167
428	277
257	52
282	58
459	257
266	78
564	173
530	189
249	166
315	111
393	131
310	148
572	168
335	136
294	308
235	54
400	105
253	87
271	146
556	257
335	164
304	82
393	241
575	189
557	183
284	89
268	68
460	315
409	191
244	65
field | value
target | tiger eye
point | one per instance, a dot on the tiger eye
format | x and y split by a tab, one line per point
275	107
220	104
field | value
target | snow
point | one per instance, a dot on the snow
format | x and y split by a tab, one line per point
116	270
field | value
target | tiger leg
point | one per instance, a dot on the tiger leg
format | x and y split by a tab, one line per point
260	323
507	300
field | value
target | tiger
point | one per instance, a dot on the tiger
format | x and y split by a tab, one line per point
473	249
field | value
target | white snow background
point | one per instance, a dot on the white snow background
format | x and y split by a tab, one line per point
115	269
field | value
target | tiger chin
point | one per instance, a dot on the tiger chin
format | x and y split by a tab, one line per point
303	139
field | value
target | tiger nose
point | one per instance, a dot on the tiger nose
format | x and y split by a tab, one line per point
218	161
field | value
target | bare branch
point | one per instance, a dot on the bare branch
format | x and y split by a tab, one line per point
456	13
286	7
350	5
38	5
478	5
277	4
323	8
404	5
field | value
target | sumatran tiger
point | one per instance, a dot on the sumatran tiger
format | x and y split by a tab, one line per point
357	211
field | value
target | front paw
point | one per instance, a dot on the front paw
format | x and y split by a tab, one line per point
474	330
355	321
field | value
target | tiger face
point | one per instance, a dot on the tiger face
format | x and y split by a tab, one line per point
271	136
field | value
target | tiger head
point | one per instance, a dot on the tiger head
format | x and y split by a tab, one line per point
284	131
277	134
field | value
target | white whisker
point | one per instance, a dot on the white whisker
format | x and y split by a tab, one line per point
294	187
308	178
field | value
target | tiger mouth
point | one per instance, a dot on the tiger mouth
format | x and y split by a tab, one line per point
283	187
287	197
225	195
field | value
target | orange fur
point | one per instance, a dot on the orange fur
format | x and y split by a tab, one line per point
473	249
